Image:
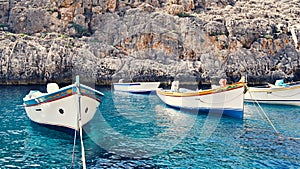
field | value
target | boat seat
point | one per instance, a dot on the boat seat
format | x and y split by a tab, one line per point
175	86
52	87
33	94
280	83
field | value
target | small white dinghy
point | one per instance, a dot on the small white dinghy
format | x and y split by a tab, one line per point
280	93
225	99
136	87
63	107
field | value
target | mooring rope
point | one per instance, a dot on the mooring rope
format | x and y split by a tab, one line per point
79	122
79	127
268	119
82	147
75	133
73	152
257	109
81	137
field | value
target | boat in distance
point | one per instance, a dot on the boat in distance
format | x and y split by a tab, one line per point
136	87
63	107
280	93
226	99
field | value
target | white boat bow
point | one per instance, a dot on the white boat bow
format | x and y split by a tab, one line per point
59	107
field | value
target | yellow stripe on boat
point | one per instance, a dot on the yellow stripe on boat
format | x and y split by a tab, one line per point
205	92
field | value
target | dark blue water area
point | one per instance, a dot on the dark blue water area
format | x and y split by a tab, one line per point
139	131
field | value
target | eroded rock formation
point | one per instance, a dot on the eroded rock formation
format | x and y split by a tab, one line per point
107	40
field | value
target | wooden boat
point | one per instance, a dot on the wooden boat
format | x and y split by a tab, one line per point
63	107
279	93
137	87
228	99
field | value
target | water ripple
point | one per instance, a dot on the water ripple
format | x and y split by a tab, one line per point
149	127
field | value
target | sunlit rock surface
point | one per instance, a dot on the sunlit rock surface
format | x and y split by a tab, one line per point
157	40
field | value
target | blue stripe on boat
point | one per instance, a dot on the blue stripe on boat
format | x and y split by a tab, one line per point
62	94
127	84
272	100
91	93
236	113
142	92
50	97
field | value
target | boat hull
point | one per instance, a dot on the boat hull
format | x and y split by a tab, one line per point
61	108
138	87
281	96
227	102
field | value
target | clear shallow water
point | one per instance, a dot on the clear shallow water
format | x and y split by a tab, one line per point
139	131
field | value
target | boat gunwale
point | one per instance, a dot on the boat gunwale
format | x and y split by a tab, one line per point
134	83
203	92
270	89
49	96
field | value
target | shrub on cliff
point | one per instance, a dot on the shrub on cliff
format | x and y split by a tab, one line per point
80	30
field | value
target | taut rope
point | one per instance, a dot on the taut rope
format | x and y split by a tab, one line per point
267	117
80	123
270	122
79	127
73	152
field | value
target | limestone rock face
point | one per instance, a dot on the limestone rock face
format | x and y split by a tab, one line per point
152	40
4	10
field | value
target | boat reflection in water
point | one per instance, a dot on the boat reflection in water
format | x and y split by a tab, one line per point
139	126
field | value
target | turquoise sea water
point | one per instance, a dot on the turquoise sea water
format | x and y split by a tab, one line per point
139	131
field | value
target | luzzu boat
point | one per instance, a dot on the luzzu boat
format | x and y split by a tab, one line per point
280	93
136	87
227	100
63	107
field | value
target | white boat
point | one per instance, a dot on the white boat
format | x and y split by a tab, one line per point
63	107
228	100
137	87
279	93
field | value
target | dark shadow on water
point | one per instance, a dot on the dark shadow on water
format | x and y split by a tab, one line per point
55	132
144	93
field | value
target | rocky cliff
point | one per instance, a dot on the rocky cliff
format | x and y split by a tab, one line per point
149	40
